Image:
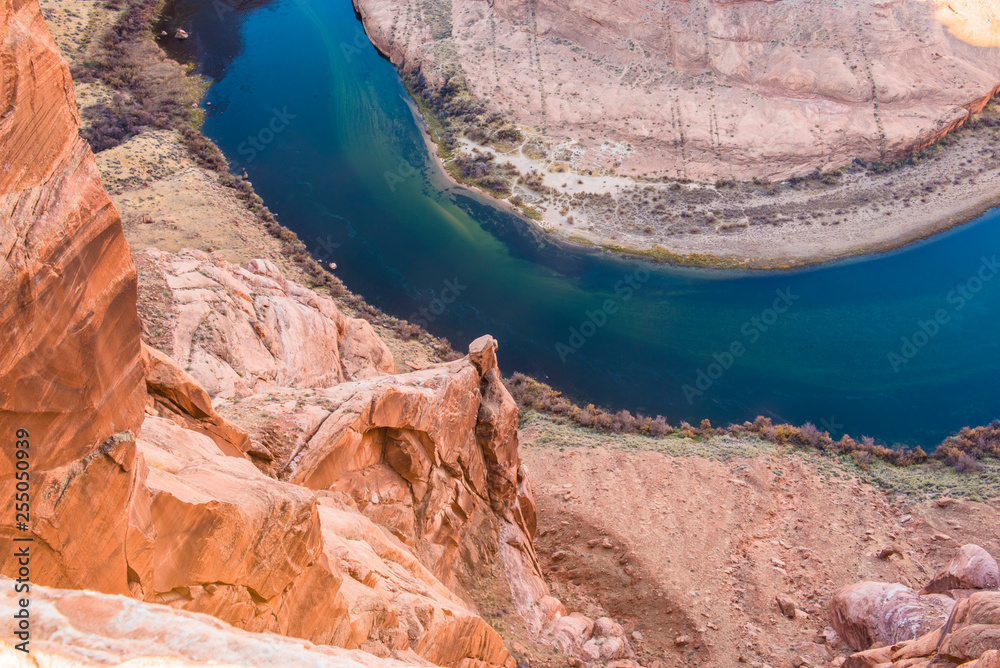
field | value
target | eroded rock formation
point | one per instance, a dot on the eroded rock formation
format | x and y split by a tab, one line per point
904	629
707	89
175	506
239	331
70	371
76	628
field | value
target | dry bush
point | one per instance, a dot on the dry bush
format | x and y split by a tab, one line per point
152	91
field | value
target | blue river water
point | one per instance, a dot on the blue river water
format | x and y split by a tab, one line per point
901	346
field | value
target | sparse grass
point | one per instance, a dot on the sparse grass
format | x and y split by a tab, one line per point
934	479
664	256
551	431
965	452
927	480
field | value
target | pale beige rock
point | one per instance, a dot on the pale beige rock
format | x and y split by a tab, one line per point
72	629
238	331
705	89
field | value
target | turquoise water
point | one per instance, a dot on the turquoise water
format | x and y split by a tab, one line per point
900	346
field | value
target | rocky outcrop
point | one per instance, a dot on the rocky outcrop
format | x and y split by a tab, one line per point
239	331
169	507
971	568
71	383
70	372
706	89
174	394
427	454
880	613
82	629
265	556
909	629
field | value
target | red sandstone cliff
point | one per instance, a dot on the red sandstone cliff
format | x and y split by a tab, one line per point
348	507
69	365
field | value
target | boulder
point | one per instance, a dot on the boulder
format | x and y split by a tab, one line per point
569	633
879	613
972	567
970	642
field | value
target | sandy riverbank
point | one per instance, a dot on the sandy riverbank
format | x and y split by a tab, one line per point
761	226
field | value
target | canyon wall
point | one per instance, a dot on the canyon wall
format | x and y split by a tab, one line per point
246	452
70	372
706	89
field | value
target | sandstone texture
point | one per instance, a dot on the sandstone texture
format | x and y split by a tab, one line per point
705	89
70	372
239	331
355	515
879	613
908	629
969	637
75	628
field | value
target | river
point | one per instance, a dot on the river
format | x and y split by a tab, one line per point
900	346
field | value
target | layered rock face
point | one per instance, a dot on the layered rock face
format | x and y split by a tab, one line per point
70	372
895	627
184	514
83	629
240	331
704	89
141	487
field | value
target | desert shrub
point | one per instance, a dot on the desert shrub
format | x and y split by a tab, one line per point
205	152
862	459
112	124
148	95
962	451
